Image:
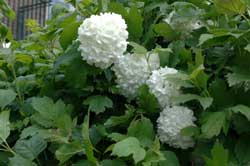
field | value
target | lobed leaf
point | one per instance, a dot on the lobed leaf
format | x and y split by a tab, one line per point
129	146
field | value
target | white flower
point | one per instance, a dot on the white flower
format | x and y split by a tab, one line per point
6	45
170	123
132	71
103	39
161	87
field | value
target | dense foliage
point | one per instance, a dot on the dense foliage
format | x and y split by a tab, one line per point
178	96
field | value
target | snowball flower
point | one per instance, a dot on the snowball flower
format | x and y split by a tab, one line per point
170	123
161	87
132	71
103	38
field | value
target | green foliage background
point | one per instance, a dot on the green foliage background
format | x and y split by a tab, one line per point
58	110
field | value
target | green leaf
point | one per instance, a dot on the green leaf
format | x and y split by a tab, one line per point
87	142
66	151
6	97
26	83
4	158
190	131
53	135
82	163
69	34
199	58
65	124
240	124
118	8
166	58
69	55
29	131
18	160
219	156
154	155
199	78
112	163
143	130
129	146
27	59
138	49
223	99
46	107
75	78
87	2
6	10
212	123
147	101
230	6
4	125
244	110
238	77
3	30
7	55
98	104
204	38
133	18
170	159
117	137
118	120
72	62
219	36
57	9
30	148
246	2
165	30
50	111
247	48
97	133
204	101
42	121
135	23
242	149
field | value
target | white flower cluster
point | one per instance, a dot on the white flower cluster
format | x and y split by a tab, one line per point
132	71
171	121
103	39
161	87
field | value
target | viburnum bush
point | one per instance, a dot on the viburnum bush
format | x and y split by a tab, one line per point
128	82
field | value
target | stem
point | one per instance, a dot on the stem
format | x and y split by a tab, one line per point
37	160
9	148
207	94
4	150
236	9
16	84
1	43
247	20
4	146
